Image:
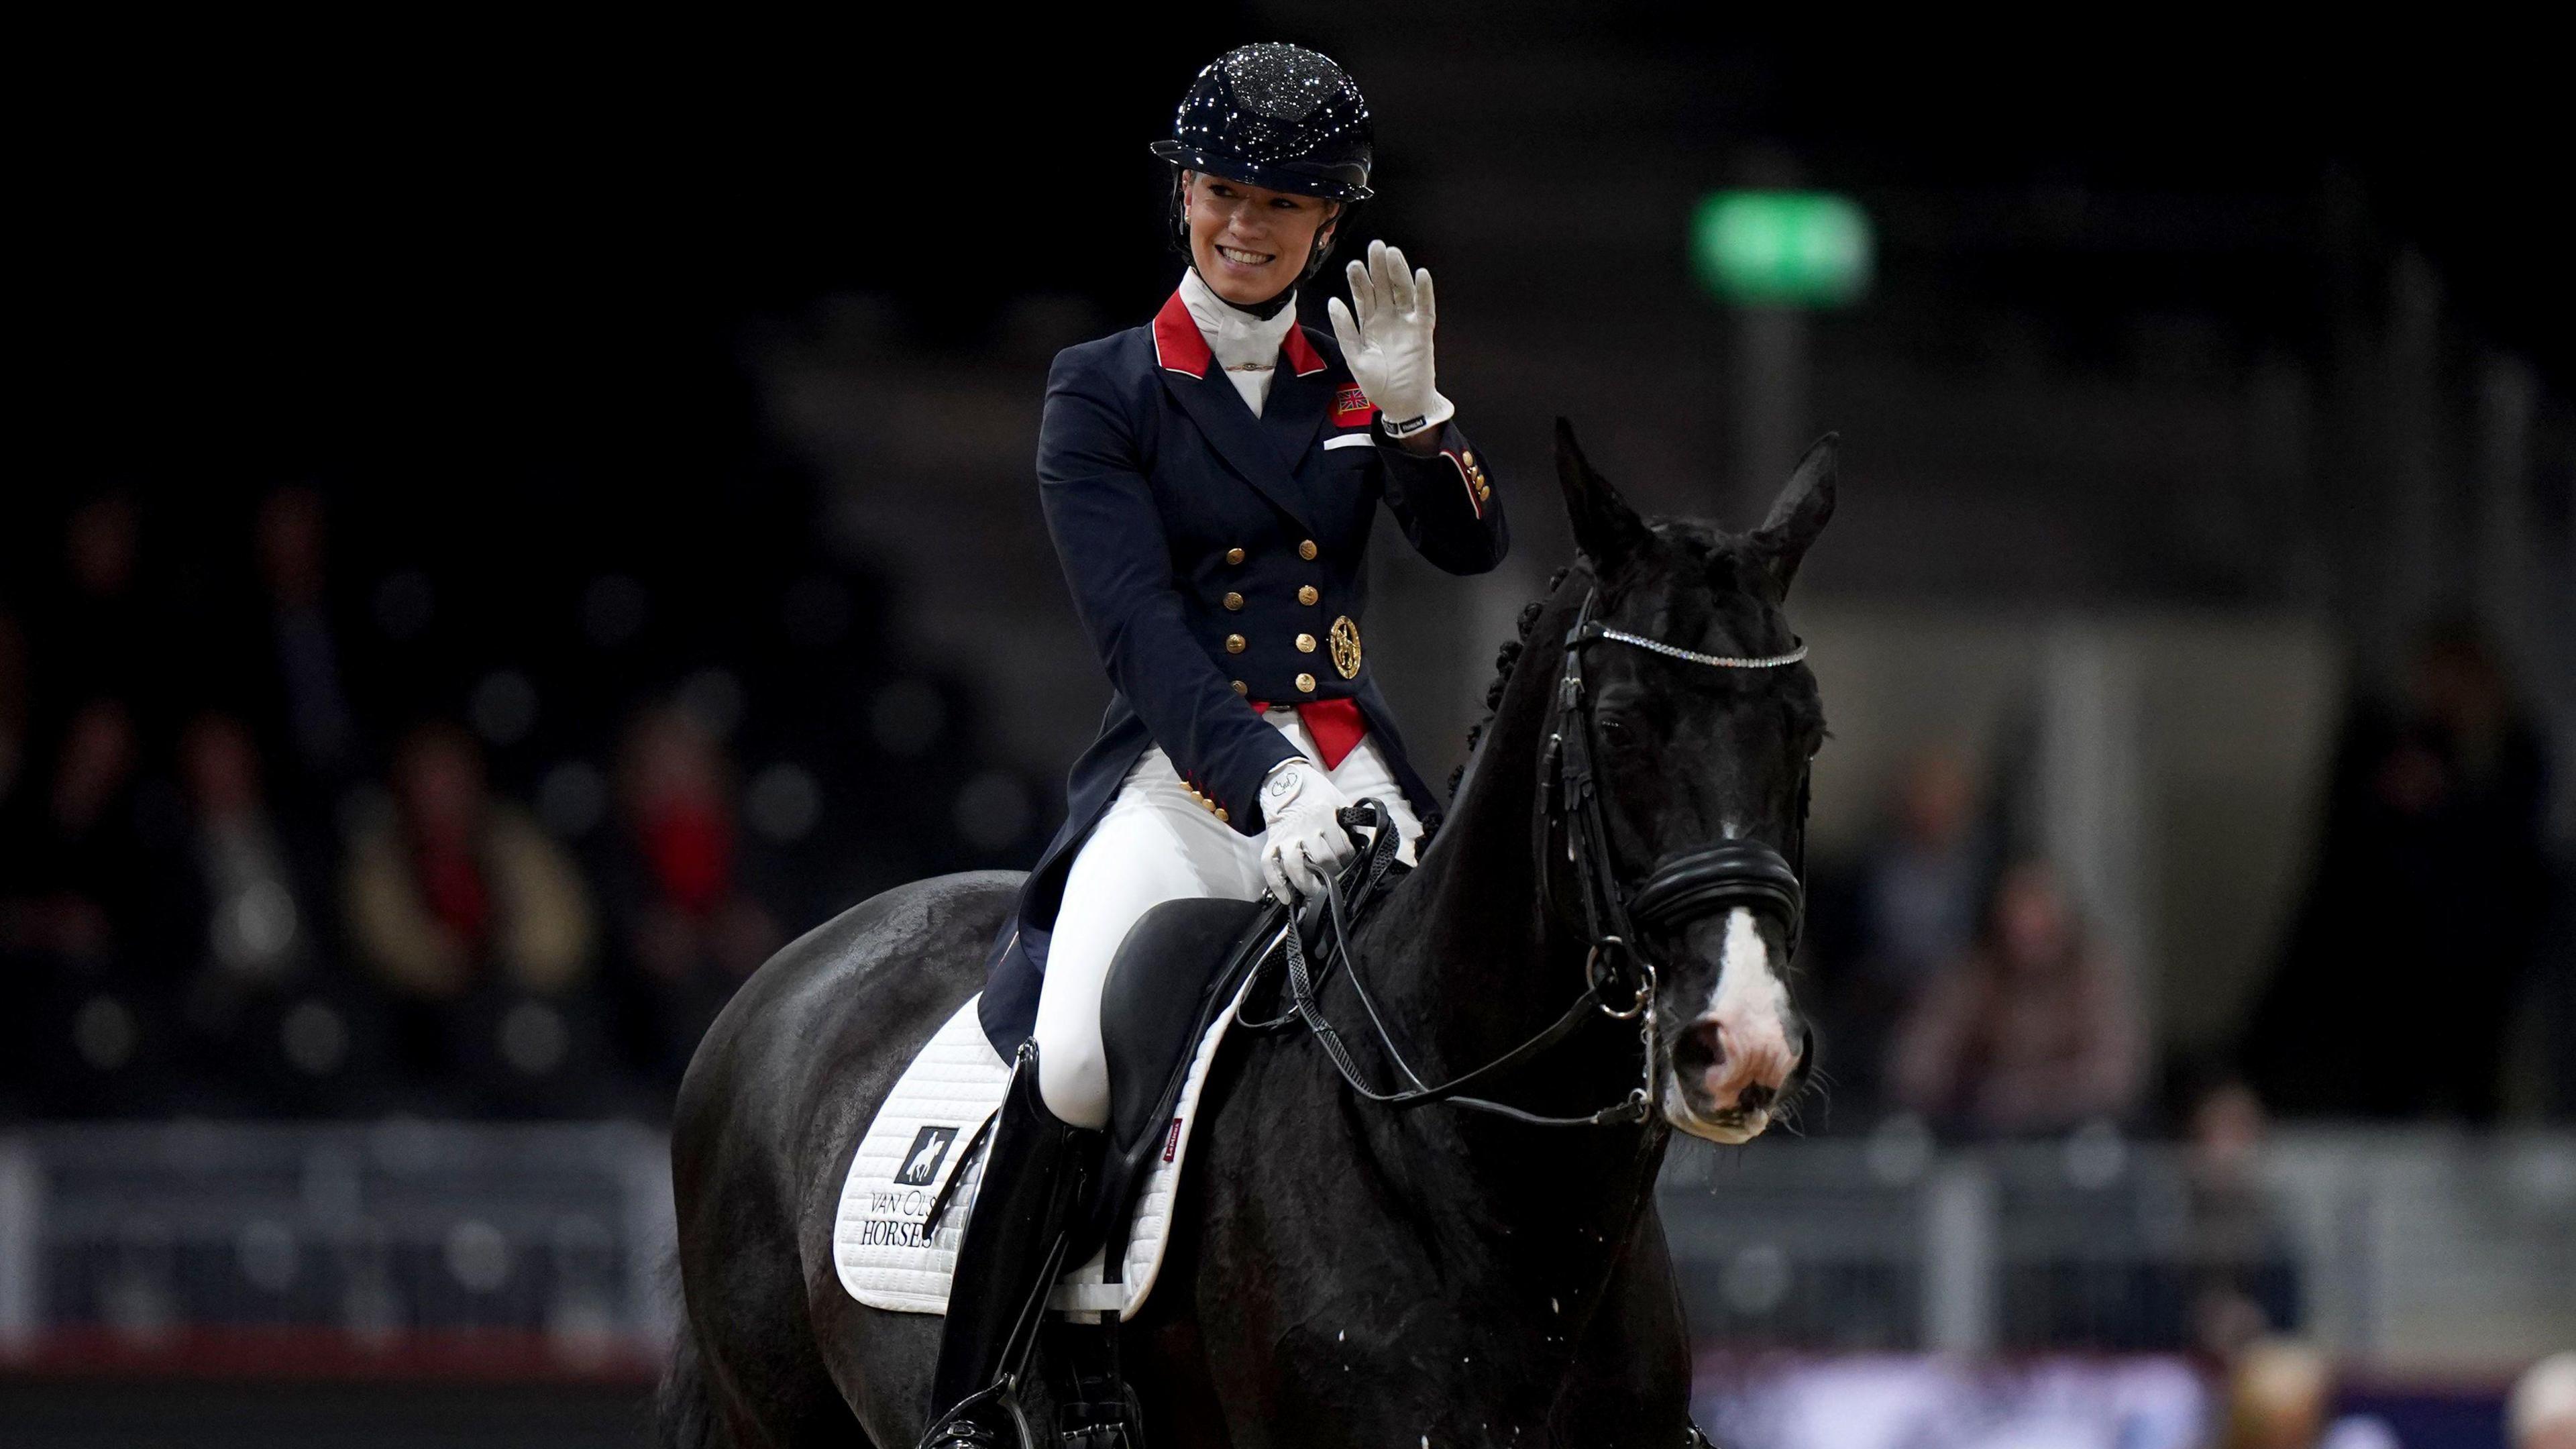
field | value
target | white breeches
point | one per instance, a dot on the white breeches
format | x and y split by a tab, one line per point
1155	844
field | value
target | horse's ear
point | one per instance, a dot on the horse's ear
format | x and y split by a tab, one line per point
1605	527
1800	512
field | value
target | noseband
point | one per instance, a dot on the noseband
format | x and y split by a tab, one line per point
1619	975
1735	873
1729	874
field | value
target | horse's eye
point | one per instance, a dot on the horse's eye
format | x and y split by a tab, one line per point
1616	734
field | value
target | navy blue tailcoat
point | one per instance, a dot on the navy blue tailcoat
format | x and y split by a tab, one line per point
1217	558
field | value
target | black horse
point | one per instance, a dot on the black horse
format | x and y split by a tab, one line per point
1341	1271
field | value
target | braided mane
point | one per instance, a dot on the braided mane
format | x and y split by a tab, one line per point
1505	660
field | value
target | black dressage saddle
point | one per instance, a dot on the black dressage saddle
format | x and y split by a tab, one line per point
1181	964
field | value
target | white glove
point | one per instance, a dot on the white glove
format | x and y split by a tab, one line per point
1302	846
1389	347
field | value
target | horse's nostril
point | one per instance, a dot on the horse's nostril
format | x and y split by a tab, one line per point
1755	1098
1702	1048
1806	1058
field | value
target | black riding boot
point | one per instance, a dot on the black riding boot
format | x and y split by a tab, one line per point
1011	1255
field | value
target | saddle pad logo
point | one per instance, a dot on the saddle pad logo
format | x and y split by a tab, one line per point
1351	408
1172	1139
929	1149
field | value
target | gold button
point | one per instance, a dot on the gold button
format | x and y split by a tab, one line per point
1305	643
1306	594
1305	684
1234	601
1210	804
1306	549
1234	555
1241	688
1468	457
1220	815
1483	492
1233	643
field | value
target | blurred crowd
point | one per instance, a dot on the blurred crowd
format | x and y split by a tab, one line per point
299	824
2429	919
288	833
1966	994
294	826
1964	984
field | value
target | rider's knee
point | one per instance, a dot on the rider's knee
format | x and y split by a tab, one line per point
1074	1084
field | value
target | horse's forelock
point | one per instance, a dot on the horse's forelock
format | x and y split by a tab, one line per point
1695	575
1678	554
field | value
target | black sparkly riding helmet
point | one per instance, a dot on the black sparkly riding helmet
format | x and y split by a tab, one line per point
1278	116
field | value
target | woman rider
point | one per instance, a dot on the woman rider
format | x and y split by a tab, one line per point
1210	480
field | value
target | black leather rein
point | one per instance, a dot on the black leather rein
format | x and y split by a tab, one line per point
1619	979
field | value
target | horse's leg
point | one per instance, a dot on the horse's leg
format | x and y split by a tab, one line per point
1631	1379
772	1108
761	1372
878	1361
763	1384
897	1351
924	962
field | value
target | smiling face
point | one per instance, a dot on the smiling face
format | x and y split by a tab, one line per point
1250	243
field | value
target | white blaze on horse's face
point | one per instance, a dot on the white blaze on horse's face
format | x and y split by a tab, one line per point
1733	1060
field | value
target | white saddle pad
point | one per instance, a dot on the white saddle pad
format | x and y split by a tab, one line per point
920	1139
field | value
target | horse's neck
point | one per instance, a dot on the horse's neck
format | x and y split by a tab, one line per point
1472	964
1474	960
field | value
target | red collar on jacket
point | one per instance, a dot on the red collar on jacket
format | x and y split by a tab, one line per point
1181	348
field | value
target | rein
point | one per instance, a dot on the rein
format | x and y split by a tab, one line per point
1619	979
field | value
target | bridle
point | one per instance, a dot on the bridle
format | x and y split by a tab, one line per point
1619	975
1718	877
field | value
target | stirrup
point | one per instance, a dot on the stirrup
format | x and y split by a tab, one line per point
963	1427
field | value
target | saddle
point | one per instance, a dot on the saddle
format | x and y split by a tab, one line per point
1159	1002
1173	989
1171	992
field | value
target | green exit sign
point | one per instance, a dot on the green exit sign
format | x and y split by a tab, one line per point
1783	248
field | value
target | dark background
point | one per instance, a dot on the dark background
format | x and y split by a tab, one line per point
531	252
530	302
